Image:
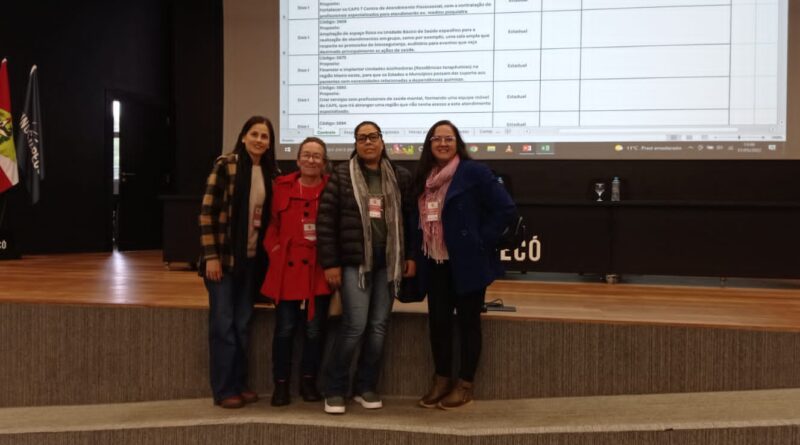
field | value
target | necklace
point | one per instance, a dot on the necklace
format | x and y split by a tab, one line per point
316	181
309	186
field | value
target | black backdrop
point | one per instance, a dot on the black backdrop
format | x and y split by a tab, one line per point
171	52
168	52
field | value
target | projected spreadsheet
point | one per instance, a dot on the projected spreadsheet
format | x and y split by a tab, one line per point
530	77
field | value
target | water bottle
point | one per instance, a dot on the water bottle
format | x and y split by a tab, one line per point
615	188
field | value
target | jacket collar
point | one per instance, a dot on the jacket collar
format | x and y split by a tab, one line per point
457	185
291	183
290	178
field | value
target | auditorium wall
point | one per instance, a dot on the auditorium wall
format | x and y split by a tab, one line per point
171	52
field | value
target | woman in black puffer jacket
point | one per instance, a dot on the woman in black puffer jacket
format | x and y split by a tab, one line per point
363	247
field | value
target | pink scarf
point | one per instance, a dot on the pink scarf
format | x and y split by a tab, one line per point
435	191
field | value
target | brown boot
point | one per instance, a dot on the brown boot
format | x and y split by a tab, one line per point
439	388
460	395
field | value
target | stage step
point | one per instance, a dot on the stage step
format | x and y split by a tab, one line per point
763	417
68	355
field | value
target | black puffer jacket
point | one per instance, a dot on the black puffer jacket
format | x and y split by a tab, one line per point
340	238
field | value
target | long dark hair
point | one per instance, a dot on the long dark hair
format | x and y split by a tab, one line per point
384	154
426	160
268	164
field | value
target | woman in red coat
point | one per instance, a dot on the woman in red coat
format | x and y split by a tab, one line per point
295	280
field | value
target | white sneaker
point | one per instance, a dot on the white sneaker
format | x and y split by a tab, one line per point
335	405
369	400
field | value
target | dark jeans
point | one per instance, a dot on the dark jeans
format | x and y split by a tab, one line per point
288	316
365	316
231	307
442	300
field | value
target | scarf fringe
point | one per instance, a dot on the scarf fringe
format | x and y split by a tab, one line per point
436	186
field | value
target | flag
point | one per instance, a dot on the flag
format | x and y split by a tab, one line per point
9	175
30	148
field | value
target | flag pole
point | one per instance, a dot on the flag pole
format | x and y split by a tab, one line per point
2	209
3	195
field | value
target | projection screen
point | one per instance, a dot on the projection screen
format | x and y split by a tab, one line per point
525	79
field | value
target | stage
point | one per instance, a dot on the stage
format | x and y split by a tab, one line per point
652	360
141	279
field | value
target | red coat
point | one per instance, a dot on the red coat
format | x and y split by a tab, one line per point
294	273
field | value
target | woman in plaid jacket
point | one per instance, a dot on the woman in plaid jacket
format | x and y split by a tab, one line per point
233	218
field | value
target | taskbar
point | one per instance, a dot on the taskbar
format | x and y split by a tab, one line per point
580	150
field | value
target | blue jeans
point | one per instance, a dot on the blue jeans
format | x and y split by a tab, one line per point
231	307
288	316
365	314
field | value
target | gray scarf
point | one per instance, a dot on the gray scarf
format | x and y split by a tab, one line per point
394	237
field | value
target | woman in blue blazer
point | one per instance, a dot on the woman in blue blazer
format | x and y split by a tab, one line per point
463	210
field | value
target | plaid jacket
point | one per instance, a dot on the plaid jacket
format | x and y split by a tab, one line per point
216	210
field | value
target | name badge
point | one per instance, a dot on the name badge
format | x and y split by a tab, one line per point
375	207
309	230
432	211
257	216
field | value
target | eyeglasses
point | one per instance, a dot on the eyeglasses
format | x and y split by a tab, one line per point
445	139
310	156
373	137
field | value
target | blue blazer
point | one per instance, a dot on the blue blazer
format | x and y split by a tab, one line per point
476	211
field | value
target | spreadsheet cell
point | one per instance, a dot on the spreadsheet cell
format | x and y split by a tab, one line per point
767	23
664	61
516	119
502	6
561	64
517	65
406	68
517	31
744	21
766	60
304	9
745	116
304	69
766	116
560	119
307	122
659	117
343	124
743	60
656	26
406	8
654	94
400	98
560	5
561	29
743	92
406	35
764	85
303	99
618	4
560	95
516	96
303	41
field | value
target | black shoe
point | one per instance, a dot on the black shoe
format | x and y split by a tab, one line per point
308	389
280	395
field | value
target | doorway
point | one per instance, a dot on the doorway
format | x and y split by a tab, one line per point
139	143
